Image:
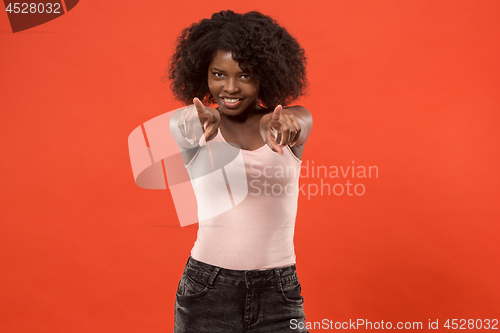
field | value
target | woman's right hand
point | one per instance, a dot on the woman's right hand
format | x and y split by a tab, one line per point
209	120
207	117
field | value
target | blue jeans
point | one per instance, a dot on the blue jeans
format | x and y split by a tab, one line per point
212	299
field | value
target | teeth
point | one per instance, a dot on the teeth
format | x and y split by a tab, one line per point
231	100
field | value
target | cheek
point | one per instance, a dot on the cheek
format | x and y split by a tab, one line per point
256	91
212	87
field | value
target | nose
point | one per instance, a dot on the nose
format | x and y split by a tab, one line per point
231	86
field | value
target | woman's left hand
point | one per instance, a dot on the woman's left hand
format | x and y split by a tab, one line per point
279	129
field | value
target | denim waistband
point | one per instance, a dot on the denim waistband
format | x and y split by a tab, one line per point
240	278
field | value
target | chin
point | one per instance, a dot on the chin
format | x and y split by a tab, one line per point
231	112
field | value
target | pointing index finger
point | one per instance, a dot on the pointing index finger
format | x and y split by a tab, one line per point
276	113
199	105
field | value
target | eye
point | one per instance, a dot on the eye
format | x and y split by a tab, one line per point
245	77
218	75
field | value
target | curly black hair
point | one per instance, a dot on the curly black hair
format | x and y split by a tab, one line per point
257	43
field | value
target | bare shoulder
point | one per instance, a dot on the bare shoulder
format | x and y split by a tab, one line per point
302	113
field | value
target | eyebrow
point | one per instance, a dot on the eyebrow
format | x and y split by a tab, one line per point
220	70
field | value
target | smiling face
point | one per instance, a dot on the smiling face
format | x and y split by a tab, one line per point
234	90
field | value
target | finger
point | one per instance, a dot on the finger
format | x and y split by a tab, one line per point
285	130
276	113
199	105
278	137
202	113
297	133
182	130
202	140
294	130
211	132
293	142
271	142
191	124
182	123
189	130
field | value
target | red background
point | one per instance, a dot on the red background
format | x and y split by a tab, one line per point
411	87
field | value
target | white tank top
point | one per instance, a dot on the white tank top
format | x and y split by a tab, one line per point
247	204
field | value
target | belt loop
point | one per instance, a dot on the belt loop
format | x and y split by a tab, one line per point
278	279
188	263
213	276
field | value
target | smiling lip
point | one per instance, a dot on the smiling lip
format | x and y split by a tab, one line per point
230	102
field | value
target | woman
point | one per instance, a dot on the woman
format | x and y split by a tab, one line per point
241	274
